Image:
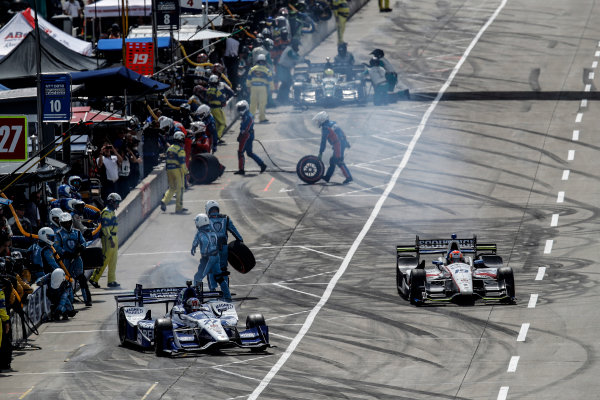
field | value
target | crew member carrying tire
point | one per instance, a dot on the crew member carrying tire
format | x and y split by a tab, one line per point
331	132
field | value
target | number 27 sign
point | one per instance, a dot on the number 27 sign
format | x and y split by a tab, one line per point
13	138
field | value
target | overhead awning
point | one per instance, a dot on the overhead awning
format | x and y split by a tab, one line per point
87	115
112	8
184	34
117	44
52	170
114	81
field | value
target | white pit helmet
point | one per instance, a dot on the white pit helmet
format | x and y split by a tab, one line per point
203	111
242	106
210	205
201	220
165	123
320	118
179	136
197	127
261	57
213	79
57	278
46	235
66	221
55	214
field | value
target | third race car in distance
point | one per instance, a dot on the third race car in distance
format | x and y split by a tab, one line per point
463	271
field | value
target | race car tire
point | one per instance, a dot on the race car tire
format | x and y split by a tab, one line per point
122	326
505	274
417	283
240	257
205	168
160	326
255	320
310	169
92	258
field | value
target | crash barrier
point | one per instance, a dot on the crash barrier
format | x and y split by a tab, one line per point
36	311
309	42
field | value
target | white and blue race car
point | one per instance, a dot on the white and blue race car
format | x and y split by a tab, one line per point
463	272
197	321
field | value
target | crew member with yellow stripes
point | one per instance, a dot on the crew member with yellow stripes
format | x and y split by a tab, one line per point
110	242
260	79
5	337
216	99
342	13
176	172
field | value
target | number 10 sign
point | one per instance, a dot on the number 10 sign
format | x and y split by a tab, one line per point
56	97
13	138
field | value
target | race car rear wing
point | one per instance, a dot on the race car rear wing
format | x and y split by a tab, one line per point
320	67
441	246
141	295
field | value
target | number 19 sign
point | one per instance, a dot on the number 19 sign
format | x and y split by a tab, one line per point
13	138
56	97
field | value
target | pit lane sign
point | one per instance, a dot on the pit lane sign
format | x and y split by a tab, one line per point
167	14
139	57
56	97
13	138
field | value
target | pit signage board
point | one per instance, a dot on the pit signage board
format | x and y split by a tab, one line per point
140	57
167	15
56	97
13	138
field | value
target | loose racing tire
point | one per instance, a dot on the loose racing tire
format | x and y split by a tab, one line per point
122	326
92	258
505	274
310	169
255	320
160	326
205	168
418	278
240	257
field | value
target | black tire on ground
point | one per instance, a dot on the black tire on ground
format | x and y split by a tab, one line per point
506	274
161	325
254	320
417	285
122	325
310	169
92	258
240	257
205	168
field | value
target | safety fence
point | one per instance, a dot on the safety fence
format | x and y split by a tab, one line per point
36	311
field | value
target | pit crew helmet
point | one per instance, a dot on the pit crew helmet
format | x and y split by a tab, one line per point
55	214
197	127
213	79
210	205
66	222
242	106
113	200
320	118
179	136
165	123
75	181
46	235
57	278
76	205
201	220
203	111
261	58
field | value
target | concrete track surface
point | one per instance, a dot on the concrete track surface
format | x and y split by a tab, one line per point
507	154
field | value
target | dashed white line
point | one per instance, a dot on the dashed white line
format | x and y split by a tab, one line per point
575	135
540	274
579	117
591	75
523	332
548	247
565	175
597	54
588	87
532	300
584	103
554	221
595	64
561	197
571	155
503	393
512	365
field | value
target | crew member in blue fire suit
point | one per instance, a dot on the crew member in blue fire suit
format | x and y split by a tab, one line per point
331	133
69	245
71	189
42	252
221	225
206	239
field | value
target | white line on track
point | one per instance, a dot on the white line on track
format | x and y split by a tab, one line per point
245	360
295	290
512	365
321	252
548	247
591	75
597	54
95	330
554	220
595	64
503	393
360	190
234	374
325	297
565	175
281	336
560	198
575	135
532	300
523	332
540	274
571	155
579	117
287	315
584	103
373	170
588	87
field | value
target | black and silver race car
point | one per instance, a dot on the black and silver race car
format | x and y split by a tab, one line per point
463	272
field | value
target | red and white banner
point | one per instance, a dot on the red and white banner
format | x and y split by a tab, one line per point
21	24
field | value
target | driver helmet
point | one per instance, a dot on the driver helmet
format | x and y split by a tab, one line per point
455	256
192	304
328	72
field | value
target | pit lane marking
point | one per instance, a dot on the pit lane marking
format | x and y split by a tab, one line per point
565	175
575	135
584	102
561	197
295	290
523	332
287	315
579	117
235	374
321	252
149	390
554	221
512	365
358	191
588	87
540	274
281	336
374	170
26	393
367	226
548	247
571	155
597	54
532	300
594	64
591	75
91	331
269	184
503	393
